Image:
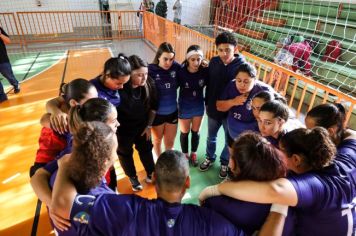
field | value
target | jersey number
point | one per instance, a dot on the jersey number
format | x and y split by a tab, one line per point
350	212
168	85
237	116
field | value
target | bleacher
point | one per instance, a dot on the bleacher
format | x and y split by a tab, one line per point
322	21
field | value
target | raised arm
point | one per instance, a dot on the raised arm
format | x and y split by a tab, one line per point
64	192
58	118
40	186
279	191
225	105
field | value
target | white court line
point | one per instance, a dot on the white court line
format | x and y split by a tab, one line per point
11	178
64	55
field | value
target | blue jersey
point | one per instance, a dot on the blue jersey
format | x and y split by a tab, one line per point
133	215
52	168
326	201
191	91
247	216
240	118
103	92
166	86
219	76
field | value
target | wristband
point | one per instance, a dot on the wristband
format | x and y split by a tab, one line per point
281	209
149	126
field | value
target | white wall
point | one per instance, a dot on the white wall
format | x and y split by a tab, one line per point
31	5
194	12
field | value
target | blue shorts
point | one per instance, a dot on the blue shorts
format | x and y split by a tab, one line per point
190	112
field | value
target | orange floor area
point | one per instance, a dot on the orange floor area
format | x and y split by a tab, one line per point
19	132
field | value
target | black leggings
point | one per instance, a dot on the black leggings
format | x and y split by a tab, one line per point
125	152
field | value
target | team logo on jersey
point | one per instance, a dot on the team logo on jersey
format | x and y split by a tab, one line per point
173	74
157	77
170	223
201	83
186	85
81	217
249	105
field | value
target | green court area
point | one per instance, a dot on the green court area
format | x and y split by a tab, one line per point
199	180
26	65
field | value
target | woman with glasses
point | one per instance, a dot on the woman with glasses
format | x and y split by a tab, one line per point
237	99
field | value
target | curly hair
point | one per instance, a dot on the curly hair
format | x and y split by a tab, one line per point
314	145
92	150
256	159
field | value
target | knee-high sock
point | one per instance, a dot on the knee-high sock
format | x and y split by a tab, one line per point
184	142
195	141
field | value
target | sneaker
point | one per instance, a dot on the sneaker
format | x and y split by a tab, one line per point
205	165
149	179
136	185
224	169
193	159
17	90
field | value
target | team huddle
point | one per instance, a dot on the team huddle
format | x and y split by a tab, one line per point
280	177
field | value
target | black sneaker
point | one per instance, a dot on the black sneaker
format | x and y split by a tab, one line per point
136	185
205	165
17	90
224	169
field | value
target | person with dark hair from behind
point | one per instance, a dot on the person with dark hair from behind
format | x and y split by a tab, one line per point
222	70
94	142
110	214
52	143
319	186
332	117
252	158
136	113
115	74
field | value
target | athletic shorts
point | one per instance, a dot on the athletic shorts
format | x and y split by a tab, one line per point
190	112
170	118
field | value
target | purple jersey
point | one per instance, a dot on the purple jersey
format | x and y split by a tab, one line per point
346	154
103	92
68	148
191	91
52	168
166	86
219	76
247	216
240	118
326	201
133	215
